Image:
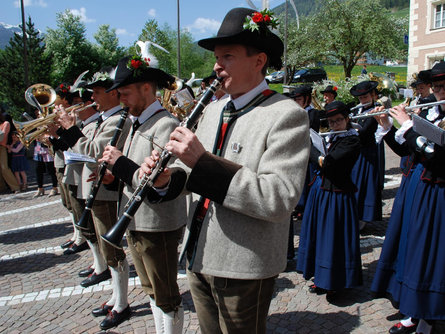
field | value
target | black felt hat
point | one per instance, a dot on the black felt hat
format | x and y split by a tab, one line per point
438	72
126	75
301	91
210	77
232	31
422	77
363	88
330	89
335	108
103	78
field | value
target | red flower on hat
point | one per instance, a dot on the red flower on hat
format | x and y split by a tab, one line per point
257	17
264	18
136	64
335	88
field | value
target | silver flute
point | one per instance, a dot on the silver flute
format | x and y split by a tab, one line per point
386	111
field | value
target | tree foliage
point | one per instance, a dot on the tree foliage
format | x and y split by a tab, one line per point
12	82
70	51
346	30
107	48
193	58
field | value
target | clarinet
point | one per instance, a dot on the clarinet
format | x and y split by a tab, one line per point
115	235
82	224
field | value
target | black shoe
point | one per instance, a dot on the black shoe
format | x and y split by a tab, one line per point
96	279
102	310
67	244
398	328
114	319
315	289
76	248
86	272
331	296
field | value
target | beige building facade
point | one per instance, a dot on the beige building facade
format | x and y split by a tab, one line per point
426	35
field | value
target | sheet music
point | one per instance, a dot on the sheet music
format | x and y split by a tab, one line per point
77	158
429	130
318	141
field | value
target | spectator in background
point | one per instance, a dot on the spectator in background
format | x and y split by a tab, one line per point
45	162
6	174
19	164
364	71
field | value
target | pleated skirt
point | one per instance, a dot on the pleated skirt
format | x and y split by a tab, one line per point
329	248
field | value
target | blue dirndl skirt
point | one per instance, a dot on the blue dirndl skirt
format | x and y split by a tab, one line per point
418	283
329	248
384	277
367	176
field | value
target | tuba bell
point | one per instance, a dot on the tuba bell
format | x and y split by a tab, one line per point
41	96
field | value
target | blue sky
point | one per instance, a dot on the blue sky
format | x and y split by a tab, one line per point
202	18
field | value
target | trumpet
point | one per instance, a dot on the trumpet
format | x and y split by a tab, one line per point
26	129
386	111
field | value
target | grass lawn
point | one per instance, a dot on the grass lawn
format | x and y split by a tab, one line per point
335	72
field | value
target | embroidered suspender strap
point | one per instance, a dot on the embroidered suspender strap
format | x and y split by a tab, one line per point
227	118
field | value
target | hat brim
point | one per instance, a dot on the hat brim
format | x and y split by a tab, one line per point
272	45
100	83
373	86
151	74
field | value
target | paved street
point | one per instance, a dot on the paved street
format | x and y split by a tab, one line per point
40	291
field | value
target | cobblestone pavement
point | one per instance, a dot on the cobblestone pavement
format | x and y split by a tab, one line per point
40	291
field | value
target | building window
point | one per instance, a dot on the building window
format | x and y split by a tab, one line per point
439	17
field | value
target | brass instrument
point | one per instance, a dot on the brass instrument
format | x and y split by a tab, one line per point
26	129
177	108
41	96
315	101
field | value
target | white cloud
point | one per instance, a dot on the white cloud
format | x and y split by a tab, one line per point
202	25
28	3
152	12
82	13
123	32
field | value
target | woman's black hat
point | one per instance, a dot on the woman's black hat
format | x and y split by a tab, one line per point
232	31
330	89
438	72
334	108
301	91
363	88
125	75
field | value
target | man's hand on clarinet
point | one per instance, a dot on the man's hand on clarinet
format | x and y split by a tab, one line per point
185	145
110	155
149	164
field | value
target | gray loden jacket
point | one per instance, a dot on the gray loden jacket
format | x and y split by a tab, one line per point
254	188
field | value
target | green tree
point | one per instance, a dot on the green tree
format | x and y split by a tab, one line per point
193	58
108	50
301	51
71	53
12	82
346	30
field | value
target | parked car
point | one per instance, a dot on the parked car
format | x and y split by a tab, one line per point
310	75
275	77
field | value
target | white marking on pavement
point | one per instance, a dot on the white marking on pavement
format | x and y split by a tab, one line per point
56	249
45	223
29	208
394	181
65	292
